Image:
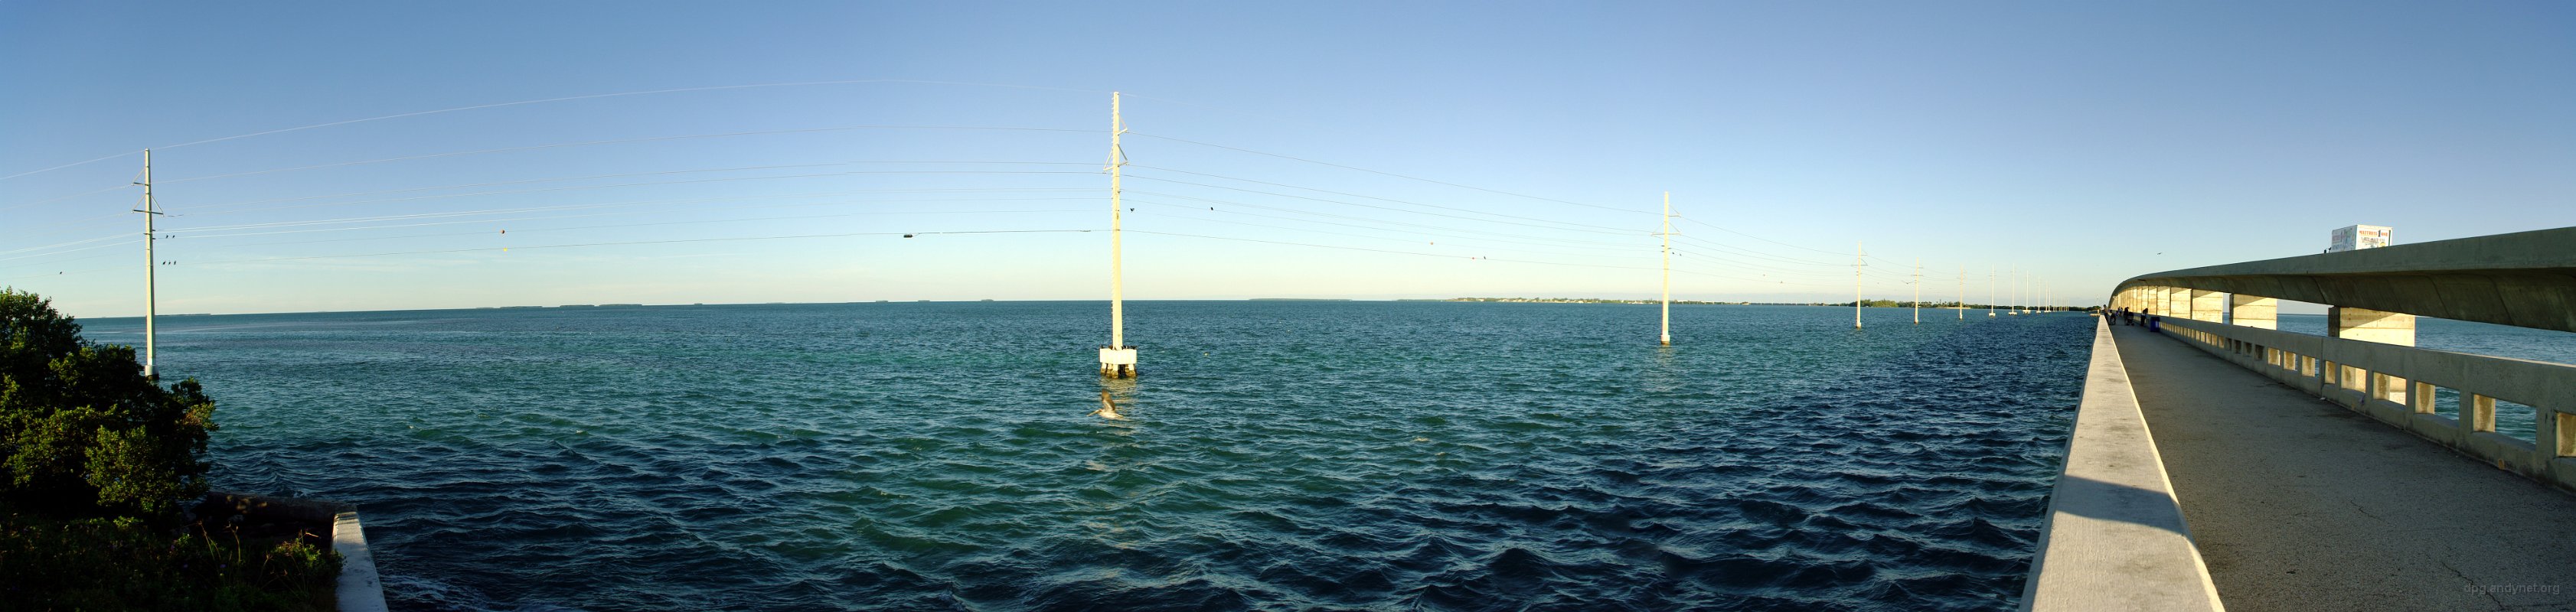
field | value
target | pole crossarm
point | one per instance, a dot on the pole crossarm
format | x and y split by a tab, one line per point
2522	279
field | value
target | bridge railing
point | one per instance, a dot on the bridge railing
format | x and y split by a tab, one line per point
2367	360
2398	385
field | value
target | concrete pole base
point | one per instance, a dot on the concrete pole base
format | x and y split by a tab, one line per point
1118	362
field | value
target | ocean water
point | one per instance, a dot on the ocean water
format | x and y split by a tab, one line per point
1274	455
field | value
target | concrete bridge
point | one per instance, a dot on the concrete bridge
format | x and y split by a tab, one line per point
2270	470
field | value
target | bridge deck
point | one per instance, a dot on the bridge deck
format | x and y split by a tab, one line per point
2298	504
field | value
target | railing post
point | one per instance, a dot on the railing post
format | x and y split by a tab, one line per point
2558	428
2478	412
2372	326
2420	397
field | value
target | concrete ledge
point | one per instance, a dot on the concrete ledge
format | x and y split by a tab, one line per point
2392	413
360	590
2115	538
2438	428
2496	448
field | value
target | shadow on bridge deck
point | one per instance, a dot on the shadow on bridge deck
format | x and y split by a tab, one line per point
2300	504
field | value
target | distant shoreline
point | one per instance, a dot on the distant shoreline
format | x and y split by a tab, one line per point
1873	304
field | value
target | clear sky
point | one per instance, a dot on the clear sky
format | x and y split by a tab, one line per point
1469	149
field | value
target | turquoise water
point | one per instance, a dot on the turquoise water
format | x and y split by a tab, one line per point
1342	455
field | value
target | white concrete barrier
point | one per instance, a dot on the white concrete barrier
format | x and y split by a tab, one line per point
359	590
2115	538
2396	385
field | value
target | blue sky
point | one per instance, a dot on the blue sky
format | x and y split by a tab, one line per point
2083	143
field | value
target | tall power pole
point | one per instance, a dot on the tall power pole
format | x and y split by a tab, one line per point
1963	293
1116	360
1667	234
1918	291
151	274
1858	254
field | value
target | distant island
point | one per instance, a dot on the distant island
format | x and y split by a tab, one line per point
1868	303
1579	301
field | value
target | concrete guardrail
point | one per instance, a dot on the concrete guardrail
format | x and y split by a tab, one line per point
2368	361
2397	385
2115	538
359	589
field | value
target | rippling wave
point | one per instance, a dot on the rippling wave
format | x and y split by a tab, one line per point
1277	455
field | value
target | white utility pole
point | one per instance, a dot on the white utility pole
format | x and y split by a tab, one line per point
1116	360
1963	293
1667	335
151	275
1918	291
1858	253
1990	290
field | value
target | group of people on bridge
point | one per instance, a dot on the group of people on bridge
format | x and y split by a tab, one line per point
2153	322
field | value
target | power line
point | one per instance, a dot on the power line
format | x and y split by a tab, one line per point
58	244
616	176
538	209
1724	229
1352	248
634	242
546	229
1556	241
549	100
1356	195
1371	237
639	184
84	193
1385	173
1416	212
625	141
1755	254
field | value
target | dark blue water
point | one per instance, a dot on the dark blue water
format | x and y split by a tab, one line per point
1280	455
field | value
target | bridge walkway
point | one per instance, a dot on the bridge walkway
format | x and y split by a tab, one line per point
2299	504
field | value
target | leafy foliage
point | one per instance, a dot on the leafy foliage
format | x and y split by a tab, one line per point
82	430
120	564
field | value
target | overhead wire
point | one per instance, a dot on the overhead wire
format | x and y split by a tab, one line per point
1384	173
59	199
618	141
1562	241
1356	195
619	175
1731	231
58	244
593	205
637	184
1416	212
1371	237
551	100
403	225
669	241
621	225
